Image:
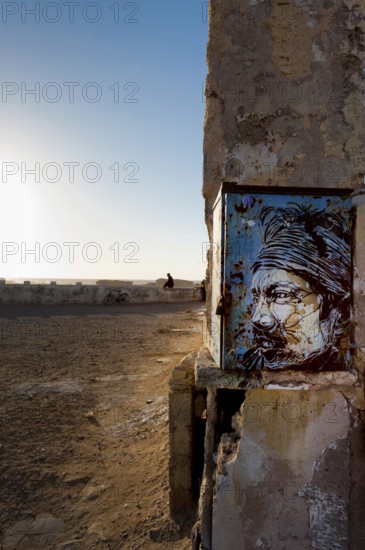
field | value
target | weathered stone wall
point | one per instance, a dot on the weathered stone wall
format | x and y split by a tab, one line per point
285	94
92	294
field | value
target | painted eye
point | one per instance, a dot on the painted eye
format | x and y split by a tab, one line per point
281	297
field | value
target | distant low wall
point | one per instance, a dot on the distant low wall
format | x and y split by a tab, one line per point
91	294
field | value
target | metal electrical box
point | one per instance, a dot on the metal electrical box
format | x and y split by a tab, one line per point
282	278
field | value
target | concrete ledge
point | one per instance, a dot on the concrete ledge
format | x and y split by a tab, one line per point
208	374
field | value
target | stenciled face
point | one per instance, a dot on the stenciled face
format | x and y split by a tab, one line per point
286	318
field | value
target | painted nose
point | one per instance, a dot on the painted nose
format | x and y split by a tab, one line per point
262	318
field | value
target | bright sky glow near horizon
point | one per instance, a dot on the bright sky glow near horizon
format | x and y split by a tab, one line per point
133	102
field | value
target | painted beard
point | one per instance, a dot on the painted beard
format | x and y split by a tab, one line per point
272	353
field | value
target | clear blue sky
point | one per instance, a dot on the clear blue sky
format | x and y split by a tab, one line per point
153	132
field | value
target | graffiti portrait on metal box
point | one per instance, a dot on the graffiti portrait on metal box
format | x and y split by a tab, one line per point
297	290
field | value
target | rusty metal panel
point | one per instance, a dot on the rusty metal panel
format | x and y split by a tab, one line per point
215	328
287	280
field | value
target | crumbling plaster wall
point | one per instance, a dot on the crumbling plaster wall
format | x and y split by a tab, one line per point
283	478
291	474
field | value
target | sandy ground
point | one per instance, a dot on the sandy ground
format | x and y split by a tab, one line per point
84	427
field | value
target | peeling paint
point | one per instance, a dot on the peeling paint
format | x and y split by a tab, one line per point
328	495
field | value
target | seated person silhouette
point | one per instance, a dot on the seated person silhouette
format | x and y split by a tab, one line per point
170	282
